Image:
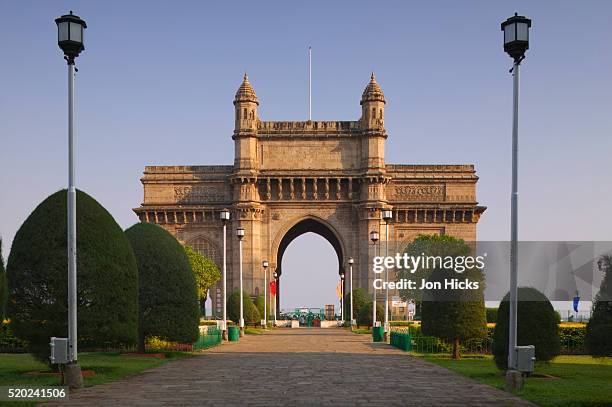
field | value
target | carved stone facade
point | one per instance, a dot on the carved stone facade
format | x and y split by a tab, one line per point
290	178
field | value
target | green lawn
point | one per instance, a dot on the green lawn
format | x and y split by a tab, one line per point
254	331
108	367
578	380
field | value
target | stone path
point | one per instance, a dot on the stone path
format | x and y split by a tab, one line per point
297	367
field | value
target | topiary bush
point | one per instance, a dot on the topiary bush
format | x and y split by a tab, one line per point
259	304
599	329
250	312
107	279
491	315
537	325
365	314
360	298
3	287
167	296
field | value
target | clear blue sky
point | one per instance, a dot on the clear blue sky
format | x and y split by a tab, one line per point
157	79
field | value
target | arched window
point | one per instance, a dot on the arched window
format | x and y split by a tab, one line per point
205	248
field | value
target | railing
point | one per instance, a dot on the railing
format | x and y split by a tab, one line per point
209	337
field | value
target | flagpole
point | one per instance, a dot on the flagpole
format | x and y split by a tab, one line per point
309	83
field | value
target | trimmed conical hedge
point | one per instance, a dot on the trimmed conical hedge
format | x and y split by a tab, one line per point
106	277
599	328
537	325
168	302
251	314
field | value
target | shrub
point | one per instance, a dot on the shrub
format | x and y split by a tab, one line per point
451	315
491	315
259	304
250	312
599	328
360	298
37	277
537	325
205	272
365	314
3	287
167	297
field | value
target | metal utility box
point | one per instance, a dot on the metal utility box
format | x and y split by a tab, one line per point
525	358
59	350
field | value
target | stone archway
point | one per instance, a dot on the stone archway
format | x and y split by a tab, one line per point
305	225
289	177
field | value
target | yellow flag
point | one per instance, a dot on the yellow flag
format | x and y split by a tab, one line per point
339	290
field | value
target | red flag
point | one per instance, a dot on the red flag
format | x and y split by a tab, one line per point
273	287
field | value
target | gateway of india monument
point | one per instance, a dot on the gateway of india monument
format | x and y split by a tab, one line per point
294	177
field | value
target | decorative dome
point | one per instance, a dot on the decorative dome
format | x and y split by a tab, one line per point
373	92
245	92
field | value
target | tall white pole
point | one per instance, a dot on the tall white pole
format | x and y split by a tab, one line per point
309	83
72	265
241	299
374	295
342	300
265	318
386	279
275	291
512	360
351	288
224	280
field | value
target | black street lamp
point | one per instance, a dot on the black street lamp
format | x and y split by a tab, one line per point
240	236
374	237
516	42
516	36
70	35
70	40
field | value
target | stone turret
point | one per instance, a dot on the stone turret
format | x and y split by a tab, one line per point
372	123
373	106
245	104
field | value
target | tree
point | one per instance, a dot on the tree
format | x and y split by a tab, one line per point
537	325
259	304
451	314
250	311
167	296
599	328
3	287
205	272
107	278
365	313
360	298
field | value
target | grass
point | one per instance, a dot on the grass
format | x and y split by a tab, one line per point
362	331
578	380
254	331
108	367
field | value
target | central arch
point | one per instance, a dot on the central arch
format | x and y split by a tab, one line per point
305	225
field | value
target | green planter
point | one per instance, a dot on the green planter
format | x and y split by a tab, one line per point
378	333
233	333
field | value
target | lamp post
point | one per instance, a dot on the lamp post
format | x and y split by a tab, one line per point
374	237
342	297
350	262
516	42
387	214
225	217
70	39
240	235
265	265
275	292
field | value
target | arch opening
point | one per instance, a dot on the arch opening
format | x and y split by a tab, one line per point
308	225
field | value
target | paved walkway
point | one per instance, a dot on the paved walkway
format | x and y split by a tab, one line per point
297	367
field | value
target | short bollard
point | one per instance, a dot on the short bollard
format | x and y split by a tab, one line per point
233	333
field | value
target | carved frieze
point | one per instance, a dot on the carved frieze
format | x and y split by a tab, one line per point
417	192
198	194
